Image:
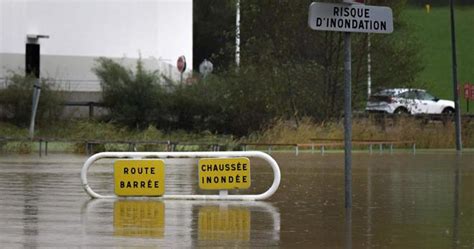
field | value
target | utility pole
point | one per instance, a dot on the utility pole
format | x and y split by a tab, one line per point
455	82
237	33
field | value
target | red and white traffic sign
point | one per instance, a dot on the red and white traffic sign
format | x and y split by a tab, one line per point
469	91
181	64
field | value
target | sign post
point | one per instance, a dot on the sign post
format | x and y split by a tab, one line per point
457	109
348	119
351	16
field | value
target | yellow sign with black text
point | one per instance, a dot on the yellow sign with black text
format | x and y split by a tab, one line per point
224	173
139	177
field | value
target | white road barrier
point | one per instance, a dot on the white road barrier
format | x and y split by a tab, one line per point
223	194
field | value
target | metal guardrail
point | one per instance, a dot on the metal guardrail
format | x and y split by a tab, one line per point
90	145
171	146
323	144
163	155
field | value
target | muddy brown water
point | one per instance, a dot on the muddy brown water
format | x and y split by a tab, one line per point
400	200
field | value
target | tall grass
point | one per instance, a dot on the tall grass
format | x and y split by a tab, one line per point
426	134
80	131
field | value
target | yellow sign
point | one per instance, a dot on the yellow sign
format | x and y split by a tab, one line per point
215	223
139	177
224	173
139	219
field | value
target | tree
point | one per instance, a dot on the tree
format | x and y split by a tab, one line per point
16	99
214	32
133	98
287	71
306	66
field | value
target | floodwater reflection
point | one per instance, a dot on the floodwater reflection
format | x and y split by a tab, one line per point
457	169
224	223
180	222
139	219
399	201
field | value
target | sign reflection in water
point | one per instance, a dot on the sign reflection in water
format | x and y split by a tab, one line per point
224	223
216	221
139	219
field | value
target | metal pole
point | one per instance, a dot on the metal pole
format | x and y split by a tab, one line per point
347	121
369	68
348	228
348	136
455	82
369	62
237	33
36	97
91	110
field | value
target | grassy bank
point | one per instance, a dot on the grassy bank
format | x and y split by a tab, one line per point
434	32
426	134
81	130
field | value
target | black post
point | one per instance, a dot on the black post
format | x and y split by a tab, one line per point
32	59
91	110
455	81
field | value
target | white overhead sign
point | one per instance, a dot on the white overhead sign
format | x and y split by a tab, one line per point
350	18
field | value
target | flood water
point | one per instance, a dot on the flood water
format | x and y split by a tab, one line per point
400	200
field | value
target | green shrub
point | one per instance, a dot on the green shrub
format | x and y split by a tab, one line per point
17	100
133	98
230	103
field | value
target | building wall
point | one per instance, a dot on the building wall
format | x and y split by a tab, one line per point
81	30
